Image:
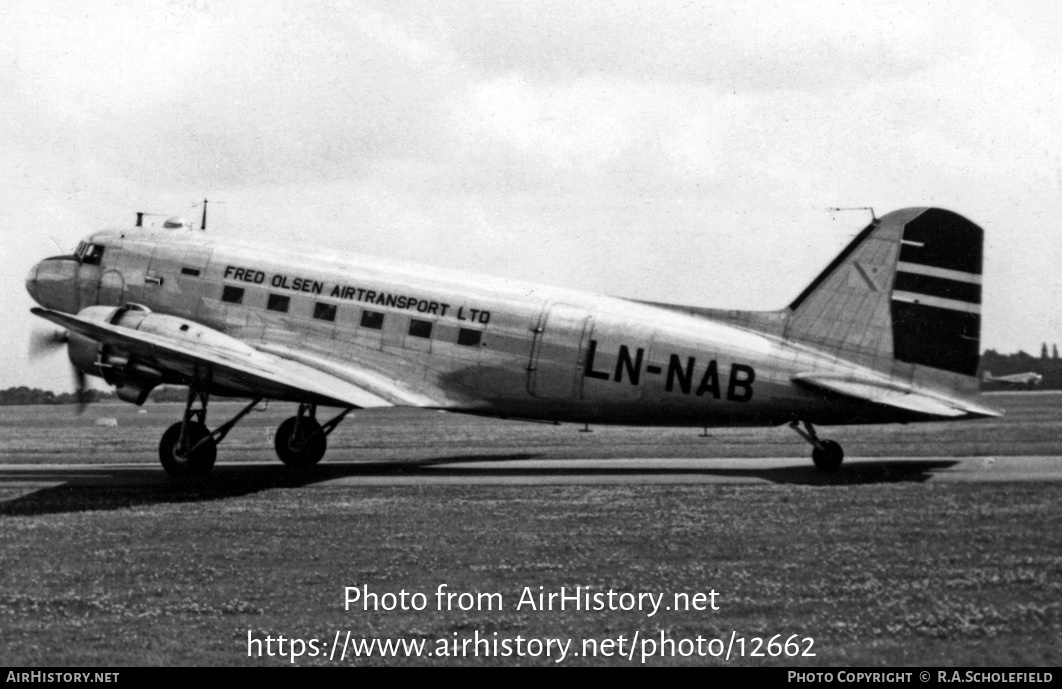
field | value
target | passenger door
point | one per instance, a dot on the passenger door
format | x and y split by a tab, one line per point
555	371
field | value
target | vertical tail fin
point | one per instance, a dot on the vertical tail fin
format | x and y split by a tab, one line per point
906	289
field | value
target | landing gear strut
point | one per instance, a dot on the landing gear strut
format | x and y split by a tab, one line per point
827	454
301	440
188	447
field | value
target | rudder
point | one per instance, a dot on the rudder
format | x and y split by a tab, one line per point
936	298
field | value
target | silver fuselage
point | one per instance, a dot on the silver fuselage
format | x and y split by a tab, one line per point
461	342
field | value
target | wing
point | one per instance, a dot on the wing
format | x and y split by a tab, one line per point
188	351
900	397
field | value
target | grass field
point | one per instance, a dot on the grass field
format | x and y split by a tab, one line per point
887	573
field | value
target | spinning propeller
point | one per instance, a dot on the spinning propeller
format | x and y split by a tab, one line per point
44	342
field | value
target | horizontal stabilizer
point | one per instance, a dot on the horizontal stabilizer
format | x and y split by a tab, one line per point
895	396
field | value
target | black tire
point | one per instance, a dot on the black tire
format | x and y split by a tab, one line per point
829	458
302	452
180	464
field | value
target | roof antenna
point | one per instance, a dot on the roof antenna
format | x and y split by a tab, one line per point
202	226
874	218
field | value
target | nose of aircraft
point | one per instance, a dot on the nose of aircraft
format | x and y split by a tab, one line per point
53	283
31	282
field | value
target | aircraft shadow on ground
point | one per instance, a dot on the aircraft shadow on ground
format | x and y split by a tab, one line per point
115	488
862	473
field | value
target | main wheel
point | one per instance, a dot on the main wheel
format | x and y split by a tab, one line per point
183	461
305	450
829	458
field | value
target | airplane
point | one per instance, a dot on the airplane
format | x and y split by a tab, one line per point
888	333
1029	379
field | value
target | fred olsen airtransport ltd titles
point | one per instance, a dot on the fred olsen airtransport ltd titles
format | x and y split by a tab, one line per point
359	294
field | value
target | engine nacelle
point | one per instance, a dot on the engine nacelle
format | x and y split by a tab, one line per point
134	379
175	329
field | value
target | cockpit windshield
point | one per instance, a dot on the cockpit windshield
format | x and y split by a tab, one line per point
89	254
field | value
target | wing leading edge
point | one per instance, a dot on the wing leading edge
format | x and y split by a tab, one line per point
239	368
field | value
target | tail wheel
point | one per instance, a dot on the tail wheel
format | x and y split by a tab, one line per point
829	456
194	457
303	448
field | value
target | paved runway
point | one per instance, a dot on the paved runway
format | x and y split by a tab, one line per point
15	478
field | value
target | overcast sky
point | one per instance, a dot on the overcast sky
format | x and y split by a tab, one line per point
684	152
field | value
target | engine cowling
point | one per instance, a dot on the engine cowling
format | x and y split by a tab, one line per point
134	379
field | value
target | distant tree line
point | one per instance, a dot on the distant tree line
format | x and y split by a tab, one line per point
24	395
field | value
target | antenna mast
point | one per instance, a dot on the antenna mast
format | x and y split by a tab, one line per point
858	208
202	226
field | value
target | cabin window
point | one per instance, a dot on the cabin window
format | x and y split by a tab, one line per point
372	319
232	295
418	328
194	272
278	302
324	312
470	338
